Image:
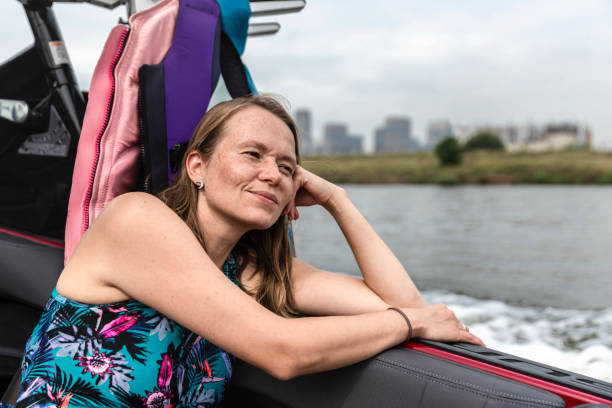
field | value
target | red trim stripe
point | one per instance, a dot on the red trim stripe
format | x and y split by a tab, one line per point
571	397
38	240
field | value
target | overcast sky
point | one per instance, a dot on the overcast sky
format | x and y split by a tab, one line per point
358	61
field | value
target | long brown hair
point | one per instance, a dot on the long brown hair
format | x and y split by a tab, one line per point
268	250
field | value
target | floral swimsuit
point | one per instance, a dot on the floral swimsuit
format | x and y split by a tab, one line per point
122	354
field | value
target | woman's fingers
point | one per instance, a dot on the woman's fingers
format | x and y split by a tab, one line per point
311	189
294	214
468	337
439	323
456	335
299	193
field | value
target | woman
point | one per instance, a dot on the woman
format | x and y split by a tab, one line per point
144	313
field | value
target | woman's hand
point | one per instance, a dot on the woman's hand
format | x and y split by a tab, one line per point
438	322
310	189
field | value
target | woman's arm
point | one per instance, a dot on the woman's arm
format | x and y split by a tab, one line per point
140	248
317	292
381	270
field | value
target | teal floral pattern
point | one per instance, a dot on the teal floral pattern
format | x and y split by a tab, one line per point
123	354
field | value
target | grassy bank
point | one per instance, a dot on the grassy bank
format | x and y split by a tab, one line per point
568	167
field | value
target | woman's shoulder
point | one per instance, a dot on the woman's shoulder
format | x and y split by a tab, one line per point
137	208
136	217
133	232
135	203
123	231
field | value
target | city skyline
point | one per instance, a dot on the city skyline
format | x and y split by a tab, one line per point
516	136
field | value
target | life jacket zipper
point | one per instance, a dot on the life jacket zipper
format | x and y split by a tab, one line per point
92	174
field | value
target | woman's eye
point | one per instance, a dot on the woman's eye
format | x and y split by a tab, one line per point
286	169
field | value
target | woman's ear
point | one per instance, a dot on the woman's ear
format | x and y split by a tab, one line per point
195	166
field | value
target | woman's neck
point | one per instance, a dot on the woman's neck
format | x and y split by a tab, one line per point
217	248
220	235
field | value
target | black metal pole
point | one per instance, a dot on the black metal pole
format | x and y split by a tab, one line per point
51	48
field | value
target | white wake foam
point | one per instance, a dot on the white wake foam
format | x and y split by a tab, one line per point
574	340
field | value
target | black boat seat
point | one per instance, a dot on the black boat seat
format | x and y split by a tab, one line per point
29	270
21	319
395	378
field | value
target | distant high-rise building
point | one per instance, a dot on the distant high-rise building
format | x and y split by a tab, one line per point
334	134
303	119
438	130
355	144
395	136
339	141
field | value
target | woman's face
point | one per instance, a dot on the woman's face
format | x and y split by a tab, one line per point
249	176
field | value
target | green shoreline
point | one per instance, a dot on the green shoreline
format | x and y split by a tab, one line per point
480	167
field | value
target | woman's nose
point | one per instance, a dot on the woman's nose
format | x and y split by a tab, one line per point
269	171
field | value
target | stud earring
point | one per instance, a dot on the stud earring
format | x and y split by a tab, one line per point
200	184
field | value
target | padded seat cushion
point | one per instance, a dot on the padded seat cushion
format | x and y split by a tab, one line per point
395	378
29	270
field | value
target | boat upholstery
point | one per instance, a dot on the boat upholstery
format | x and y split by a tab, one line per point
395	378
29	272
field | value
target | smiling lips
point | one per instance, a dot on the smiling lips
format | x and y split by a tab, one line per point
265	196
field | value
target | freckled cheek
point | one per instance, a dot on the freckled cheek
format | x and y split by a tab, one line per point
237	172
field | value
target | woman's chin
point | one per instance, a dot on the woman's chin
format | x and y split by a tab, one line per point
264	224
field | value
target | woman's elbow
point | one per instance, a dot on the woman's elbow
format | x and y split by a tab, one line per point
283	372
287	363
288	354
283	368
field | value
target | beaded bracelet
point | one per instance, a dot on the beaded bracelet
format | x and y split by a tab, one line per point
407	321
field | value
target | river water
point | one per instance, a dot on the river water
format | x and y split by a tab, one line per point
528	268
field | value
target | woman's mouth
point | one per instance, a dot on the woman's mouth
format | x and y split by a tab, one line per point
265	196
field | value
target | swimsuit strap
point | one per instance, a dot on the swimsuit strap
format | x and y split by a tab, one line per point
230	269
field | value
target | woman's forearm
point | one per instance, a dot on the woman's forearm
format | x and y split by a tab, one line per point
325	343
381	270
313	344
